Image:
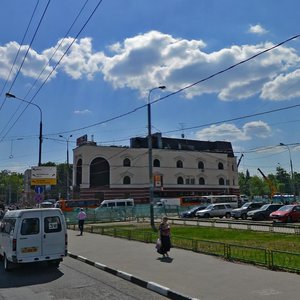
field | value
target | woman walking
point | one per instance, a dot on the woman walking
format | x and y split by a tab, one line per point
164	230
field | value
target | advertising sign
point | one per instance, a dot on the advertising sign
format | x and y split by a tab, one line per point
43	175
81	140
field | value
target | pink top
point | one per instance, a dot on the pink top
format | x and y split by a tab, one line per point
81	215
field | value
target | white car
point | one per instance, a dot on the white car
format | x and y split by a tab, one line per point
215	210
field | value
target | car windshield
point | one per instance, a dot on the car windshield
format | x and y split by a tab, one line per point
265	206
210	206
246	205
286	208
193	209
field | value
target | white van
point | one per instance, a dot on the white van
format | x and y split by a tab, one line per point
33	235
118	203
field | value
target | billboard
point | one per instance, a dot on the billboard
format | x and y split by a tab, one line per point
81	140
43	175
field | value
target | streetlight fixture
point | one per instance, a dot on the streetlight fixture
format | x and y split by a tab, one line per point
68	166
292	172
8	95
151	187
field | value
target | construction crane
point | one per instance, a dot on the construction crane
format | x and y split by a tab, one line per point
240	160
269	182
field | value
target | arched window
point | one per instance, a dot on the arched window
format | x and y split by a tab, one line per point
156	163
200	165
126	162
221	181
179	180
201	181
126	180
220	166
79	172
99	172
179	164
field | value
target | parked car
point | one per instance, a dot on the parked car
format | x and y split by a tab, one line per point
241	212
192	212
264	212
215	210
286	213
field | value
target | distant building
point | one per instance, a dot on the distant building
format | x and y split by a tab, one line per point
180	167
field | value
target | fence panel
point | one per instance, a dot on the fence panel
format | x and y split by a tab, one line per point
285	260
247	254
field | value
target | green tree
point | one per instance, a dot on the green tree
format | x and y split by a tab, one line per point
11	186
284	181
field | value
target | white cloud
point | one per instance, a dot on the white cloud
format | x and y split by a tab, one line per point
257	29
282	87
32	66
154	58
230	132
82	112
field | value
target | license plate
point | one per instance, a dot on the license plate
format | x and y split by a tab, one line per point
29	249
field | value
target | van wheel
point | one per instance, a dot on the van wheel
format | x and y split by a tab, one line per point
54	263
7	264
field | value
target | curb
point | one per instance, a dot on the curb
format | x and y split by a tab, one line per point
155	287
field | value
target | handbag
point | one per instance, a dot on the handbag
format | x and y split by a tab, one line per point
158	244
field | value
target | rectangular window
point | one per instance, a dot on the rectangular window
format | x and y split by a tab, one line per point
52	224
8	225
30	226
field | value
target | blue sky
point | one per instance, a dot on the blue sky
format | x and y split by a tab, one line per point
85	77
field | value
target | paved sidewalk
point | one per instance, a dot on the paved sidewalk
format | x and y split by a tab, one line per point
188	273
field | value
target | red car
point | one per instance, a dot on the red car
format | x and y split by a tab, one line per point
286	213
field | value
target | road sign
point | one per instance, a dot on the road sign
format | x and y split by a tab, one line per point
43	175
39	189
38	198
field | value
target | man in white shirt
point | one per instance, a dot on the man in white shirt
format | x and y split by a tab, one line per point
81	217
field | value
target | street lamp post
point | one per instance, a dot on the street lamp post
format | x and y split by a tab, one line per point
151	187
292	171
68	166
8	95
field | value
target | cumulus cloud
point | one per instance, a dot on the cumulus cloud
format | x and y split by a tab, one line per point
282	87
154	58
257	29
230	132
32	66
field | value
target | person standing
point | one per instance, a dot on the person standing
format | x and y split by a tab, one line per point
165	237
81	218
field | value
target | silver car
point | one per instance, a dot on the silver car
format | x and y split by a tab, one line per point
215	210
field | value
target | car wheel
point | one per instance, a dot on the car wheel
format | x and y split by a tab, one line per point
289	219
260	217
244	216
227	215
206	216
7	264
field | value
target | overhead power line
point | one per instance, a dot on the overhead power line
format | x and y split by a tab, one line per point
18	52
53	69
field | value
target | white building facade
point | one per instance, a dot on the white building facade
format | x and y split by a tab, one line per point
180	167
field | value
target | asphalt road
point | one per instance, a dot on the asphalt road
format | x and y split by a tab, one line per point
73	280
